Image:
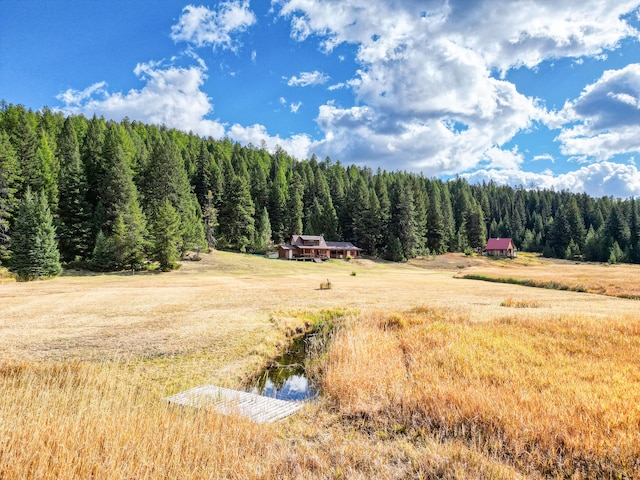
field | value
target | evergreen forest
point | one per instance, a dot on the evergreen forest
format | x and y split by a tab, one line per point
103	195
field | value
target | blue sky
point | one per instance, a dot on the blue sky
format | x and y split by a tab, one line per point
537	93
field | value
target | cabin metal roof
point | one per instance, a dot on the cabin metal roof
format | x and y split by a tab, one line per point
342	246
499	244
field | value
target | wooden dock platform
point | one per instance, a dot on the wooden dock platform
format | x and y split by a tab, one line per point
258	408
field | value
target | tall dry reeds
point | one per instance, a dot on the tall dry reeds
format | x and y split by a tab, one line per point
72	420
551	396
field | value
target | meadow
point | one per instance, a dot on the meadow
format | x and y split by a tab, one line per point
425	375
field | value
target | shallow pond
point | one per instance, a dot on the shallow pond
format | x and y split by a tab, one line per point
286	378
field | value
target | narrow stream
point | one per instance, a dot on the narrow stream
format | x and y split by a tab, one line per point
286	378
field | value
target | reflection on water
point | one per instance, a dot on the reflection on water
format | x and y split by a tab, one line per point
286	378
296	387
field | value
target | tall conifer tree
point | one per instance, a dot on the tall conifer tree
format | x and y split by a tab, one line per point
166	179
236	218
118	210
34	252
74	212
165	236
294	207
9	175
436	230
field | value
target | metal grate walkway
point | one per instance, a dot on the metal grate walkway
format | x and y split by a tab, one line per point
226	401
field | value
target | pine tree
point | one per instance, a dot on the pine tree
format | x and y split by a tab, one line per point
634	233
202	181
358	211
94	164
373	225
617	228
336	179
9	169
259	188
263	242
102	256
118	213
474	226
615	253
165	236
421	204
48	170
210	221
380	187
294	207
447	217
192	228
394	250
560	233
74	212
166	179
402	223
436	231
34	253
236	218
25	142
128	238
323	219
278	197
576	222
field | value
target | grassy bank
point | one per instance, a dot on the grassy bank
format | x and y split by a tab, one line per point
554	396
527	282
533	271
487	381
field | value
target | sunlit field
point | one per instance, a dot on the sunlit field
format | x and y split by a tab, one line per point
619	280
551	395
426	375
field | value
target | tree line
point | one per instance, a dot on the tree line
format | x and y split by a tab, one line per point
111	195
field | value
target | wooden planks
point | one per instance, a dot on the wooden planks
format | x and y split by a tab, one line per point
226	401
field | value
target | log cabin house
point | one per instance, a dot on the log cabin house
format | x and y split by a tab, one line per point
315	247
500	247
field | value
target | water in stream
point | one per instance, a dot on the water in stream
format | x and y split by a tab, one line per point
286	378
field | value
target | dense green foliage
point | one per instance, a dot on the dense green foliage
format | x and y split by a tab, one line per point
109	186
34	253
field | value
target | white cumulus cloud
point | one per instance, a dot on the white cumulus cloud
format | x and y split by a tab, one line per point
307	79
425	66
604	120
171	96
296	145
597	179
76	97
202	26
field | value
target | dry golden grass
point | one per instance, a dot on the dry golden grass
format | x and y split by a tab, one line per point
550	396
77	420
5	276
520	303
85	361
620	280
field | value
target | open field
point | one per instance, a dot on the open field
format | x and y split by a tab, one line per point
429	376
620	280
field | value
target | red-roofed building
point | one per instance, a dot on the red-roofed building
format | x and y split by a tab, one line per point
500	247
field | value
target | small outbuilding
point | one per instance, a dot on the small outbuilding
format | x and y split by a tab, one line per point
500	247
